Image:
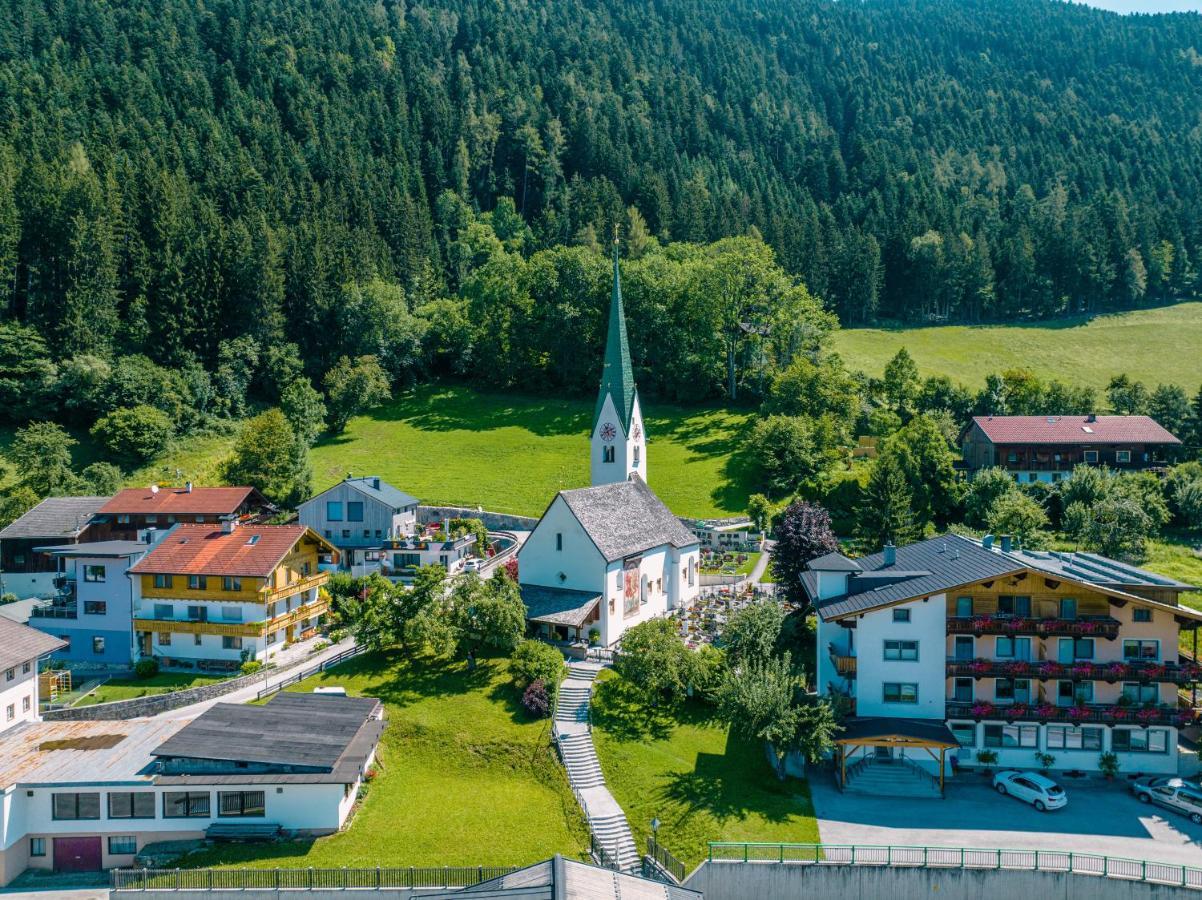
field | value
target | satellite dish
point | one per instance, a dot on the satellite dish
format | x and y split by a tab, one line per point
154	489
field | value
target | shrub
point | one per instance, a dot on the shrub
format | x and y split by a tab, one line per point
136	433
535	699
1108	764
987	758
337	635
535	661
1046	761
319	646
594	636
250	667
146	668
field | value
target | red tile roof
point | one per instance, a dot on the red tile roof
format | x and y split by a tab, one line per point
200	501
250	550
1074	430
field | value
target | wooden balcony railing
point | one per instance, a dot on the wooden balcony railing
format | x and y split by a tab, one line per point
1112	672
196	626
1094	626
1083	714
845	664
270	594
316	608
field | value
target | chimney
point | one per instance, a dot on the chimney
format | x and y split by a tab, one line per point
987	542
1006	543
228	525
890	554
1091	418
375	483
187	487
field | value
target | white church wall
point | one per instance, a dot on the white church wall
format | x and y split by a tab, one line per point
560	545
630	453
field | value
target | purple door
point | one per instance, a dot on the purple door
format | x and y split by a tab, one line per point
77	854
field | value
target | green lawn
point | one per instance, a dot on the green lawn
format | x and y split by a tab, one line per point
465	777
511	453
1153	345
129	688
744	568
700	782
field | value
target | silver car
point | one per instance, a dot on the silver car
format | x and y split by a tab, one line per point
1172	793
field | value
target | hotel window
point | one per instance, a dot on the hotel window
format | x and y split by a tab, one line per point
1013	648
1090	456
334	510
1065	737
198	582
901	650
131	805
10	712
37	846
75	806
25	706
1068	607
1011	736
123	845
962	690
1014	606
240	804
10	674
25	667
162	581
186	805
900	692
164	611
231	614
1151	740
231	642
1123	456
1141	614
1082	648
198	614
1070	693
98	645
964	647
965	734
93	573
231	583
901	615
95	607
1141	693
164	638
1141	650
354	511
1012	690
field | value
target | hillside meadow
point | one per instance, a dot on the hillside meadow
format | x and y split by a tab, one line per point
1151	345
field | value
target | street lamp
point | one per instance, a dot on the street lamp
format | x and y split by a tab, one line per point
655	831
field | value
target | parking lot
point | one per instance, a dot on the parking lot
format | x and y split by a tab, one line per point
1100	818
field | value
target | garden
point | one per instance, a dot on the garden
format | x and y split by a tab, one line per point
728	562
133	687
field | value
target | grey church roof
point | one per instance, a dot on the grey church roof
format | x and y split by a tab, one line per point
626	518
55	517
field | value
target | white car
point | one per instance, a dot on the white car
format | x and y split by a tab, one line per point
1038	790
472	565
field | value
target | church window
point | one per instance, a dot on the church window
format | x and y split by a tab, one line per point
607	453
559	540
636	455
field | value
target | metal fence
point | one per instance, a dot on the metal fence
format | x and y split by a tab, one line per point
1063	861
310	672
303	879
665	860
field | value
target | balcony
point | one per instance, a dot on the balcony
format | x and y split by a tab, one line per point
1112	672
1084	714
199	626
844	664
55	611
317	579
316	608
1092	626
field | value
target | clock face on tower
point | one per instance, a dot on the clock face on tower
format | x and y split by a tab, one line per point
608	432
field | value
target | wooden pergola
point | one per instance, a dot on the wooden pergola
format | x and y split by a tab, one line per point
930	736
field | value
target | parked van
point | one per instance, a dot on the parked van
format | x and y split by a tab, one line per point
1172	793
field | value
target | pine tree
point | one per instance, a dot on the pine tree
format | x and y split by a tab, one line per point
886	510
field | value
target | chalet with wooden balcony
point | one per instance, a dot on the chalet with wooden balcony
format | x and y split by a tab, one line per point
1047	448
129	512
984	648
215	596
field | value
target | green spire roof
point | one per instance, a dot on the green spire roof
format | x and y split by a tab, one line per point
617	375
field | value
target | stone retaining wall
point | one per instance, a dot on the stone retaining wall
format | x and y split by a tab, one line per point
493	521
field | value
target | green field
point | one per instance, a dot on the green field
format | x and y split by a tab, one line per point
129	688
511	453
684	768
465	777
1153	345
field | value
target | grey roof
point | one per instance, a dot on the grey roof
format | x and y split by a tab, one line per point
1097	569
626	518
55	517
385	493
926	567
834	562
98	548
934	731
558	606
65	753
307	731
567	878
21	644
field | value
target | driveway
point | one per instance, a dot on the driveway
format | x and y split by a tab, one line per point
1100	818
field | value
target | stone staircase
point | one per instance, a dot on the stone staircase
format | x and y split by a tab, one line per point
894	778
610	830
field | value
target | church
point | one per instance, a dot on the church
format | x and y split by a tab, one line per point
606	557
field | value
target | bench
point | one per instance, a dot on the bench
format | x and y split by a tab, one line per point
242	832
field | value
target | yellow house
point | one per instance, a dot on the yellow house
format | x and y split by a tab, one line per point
218	595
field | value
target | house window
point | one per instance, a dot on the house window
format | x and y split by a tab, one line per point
1141	614
1141	650
164	638
75	806
231	614
198	640
346	533
198	582
367	532
1014	606
354	511
962	690
963	648
1011	736
901	615
1090	456
965	733
25	667
1150	740
231	583
95	607
123	519
151	520
559	540
1065	737
10	712
231	642
10	674
1012	690
901	650
1123	456
123	845
1071	693
164	611
25	704
900	692
1013	648
131	805
198	614
37	846
963	607
1083	648
97	645
1141	693
186	805
162	581
240	804
1068	607
93	573
334	510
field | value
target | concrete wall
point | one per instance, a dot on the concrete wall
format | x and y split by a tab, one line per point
493	521
772	881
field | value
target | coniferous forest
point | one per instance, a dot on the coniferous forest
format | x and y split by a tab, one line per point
434	182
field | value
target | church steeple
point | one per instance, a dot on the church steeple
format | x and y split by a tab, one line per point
617	438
